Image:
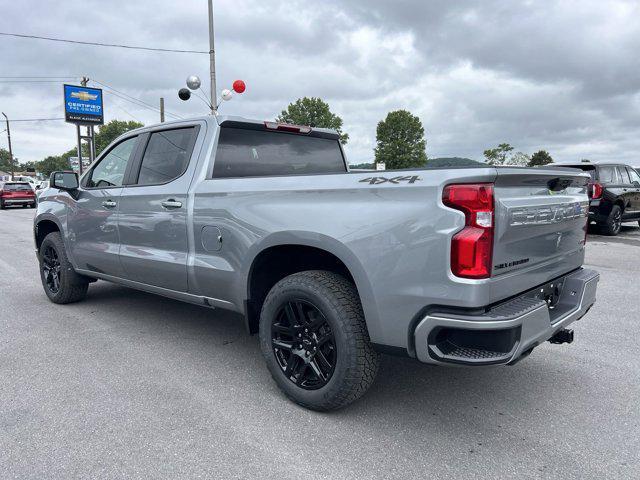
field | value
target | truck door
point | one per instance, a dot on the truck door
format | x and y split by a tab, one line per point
152	217
635	185
92	212
628	193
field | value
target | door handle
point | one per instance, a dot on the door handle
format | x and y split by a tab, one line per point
109	204
171	203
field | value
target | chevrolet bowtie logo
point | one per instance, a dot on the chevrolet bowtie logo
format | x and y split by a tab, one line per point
82	95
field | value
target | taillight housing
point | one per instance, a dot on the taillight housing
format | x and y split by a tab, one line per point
472	247
596	190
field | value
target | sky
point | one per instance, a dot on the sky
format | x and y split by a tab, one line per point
563	76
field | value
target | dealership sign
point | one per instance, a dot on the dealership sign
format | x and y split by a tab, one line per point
83	105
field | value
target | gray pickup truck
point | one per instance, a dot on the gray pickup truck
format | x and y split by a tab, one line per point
457	266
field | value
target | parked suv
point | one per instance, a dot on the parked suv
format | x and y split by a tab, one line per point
16	193
615	194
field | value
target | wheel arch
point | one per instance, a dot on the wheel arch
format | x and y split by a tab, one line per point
302	251
43	226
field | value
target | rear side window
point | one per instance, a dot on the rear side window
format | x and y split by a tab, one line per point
607	174
253	153
166	156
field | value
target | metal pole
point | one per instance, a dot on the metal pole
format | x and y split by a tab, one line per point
84	82
212	61
92	155
161	109
79	150
10	150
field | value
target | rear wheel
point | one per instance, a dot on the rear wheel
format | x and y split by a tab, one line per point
315	341
60	282
2	207
613	224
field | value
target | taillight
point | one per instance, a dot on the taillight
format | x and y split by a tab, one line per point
596	190
471	248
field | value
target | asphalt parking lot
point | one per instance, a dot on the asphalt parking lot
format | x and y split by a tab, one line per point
130	385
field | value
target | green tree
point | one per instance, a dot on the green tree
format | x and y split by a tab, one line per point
51	164
313	112
498	156
5	160
400	141
541	157
108	132
27	166
518	159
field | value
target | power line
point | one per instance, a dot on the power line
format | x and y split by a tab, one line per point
39	76
98	44
35	119
129	98
33	81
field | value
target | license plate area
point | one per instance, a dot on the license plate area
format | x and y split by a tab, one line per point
549	293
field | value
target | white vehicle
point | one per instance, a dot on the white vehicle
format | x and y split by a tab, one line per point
24	178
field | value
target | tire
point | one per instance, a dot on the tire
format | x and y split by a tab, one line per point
337	335
32	205
613	224
2	207
71	287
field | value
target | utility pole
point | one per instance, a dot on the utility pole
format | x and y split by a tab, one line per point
90	137
161	109
212	61
10	150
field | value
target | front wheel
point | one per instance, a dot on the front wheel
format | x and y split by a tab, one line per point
60	281
315	341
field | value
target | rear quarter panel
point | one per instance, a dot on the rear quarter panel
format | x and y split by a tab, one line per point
393	237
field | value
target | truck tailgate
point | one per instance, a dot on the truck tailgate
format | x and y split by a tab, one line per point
540	218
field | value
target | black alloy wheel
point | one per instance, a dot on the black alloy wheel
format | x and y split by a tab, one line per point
51	269
303	344
617	221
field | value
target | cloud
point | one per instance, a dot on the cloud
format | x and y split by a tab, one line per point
558	75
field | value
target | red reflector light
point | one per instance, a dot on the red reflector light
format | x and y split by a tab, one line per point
472	247
286	127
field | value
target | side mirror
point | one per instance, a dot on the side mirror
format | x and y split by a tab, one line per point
64	180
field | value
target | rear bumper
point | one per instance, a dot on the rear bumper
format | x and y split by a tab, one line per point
19	201
506	332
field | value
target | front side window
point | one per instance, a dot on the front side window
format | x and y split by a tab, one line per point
166	156
251	153
110	171
635	178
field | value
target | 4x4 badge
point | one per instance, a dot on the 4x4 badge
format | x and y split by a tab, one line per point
395	180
